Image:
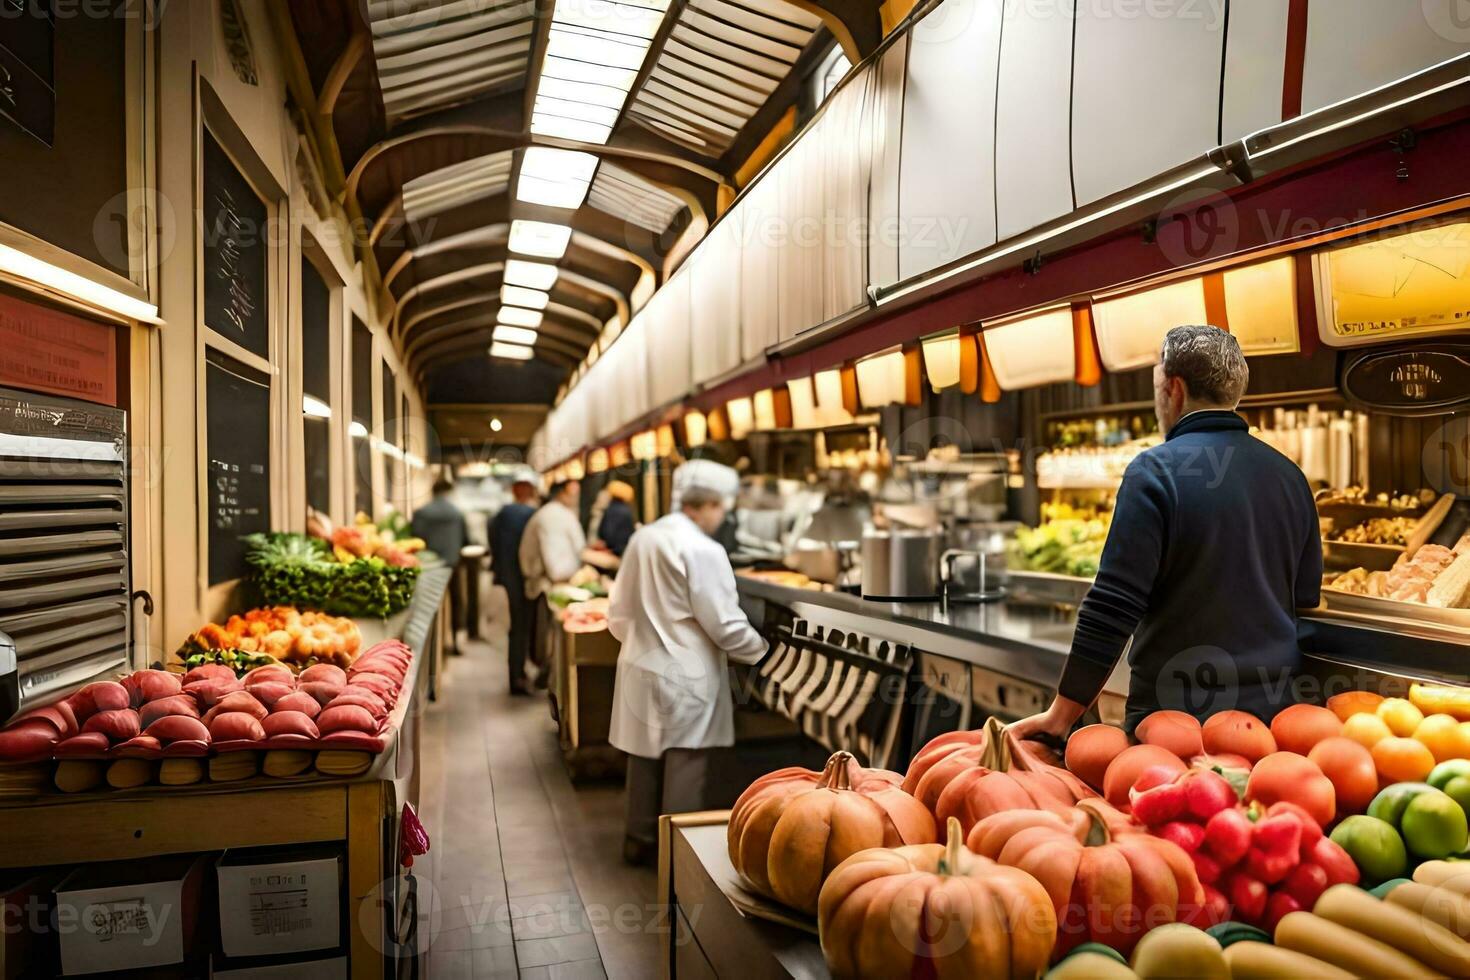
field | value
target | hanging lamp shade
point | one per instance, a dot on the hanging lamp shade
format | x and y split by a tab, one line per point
781	397
696	429
849	389
969	362
741	414
619	455
801	396
913	377
718	424
989	386
942	361
665	441
1084	343
764	410
597	461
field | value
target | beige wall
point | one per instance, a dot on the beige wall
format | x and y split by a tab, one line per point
196	81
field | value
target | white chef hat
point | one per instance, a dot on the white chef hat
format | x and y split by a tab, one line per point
705	474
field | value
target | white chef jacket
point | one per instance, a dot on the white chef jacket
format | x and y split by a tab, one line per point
676	611
551	548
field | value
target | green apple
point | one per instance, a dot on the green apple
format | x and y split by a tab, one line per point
1453	778
1391	801
1375	847
1434	826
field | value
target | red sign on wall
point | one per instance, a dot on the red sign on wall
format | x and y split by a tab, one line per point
46	350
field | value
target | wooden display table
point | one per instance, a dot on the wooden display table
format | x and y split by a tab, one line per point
708	935
583	672
361	814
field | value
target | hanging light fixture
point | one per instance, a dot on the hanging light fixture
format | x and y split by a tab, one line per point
516	316
555	178
539	239
514	335
534	299
532	275
942	361
593	53
511	352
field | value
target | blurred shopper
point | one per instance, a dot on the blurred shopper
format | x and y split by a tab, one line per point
551	552
1214	546
617	524
442	526
676	612
507	530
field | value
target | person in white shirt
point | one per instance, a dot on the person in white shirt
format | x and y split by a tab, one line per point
676	612
550	552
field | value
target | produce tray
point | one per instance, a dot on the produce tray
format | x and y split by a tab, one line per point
1372	605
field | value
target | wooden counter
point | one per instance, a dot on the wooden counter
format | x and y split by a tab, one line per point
584	669
708	936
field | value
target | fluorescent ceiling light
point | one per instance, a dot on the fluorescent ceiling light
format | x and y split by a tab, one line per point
534	299
315	407
571	70
511	352
590	92
581	111
614	18
539	239
515	316
514	335
569	129
595	47
25	266
532	275
555	178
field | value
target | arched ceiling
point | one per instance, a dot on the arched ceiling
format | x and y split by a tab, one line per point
463	135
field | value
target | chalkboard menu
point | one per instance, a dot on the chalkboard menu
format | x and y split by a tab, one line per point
28	68
238	442
316	313
63	129
234	253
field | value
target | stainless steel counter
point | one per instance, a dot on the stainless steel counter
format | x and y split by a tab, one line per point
1029	639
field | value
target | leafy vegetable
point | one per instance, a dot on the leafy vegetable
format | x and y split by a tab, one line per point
297	570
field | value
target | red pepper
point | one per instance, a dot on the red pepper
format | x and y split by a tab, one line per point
1278	906
1306	883
1247	895
1228	836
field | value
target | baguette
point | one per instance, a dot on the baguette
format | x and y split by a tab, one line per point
1390	923
1262	961
1448	908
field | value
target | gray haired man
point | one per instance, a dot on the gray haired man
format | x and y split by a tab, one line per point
1214	546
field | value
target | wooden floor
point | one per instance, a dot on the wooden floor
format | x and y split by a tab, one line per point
525	872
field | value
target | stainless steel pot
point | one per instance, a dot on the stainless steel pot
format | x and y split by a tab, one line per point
901	564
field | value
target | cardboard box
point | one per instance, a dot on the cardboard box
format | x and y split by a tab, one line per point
331	968
272	902
128	915
25	919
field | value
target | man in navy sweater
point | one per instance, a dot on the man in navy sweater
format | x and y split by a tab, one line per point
1213	548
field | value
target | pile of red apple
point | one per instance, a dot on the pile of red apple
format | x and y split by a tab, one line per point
1256	863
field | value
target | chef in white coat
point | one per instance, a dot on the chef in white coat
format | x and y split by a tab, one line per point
677	614
551	552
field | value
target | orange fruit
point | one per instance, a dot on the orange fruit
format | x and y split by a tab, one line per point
1402	760
1444	736
1351	703
1401	716
1366	730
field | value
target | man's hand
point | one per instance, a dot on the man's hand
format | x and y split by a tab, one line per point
1056	720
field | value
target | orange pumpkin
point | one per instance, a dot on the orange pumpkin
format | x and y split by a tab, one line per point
1238	733
934	910
971	775
1294	779
1299	727
1124	771
1350	767
1108	881
1090	749
790	828
1173	730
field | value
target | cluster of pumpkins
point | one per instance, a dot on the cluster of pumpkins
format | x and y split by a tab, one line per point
1032	862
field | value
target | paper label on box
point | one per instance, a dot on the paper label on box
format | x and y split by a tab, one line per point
279	904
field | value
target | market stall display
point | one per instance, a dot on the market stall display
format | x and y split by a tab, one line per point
359	571
154	725
280	635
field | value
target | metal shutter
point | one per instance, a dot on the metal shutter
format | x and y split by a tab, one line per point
64	572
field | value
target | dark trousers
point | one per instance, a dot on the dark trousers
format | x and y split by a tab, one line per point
522	622
675	783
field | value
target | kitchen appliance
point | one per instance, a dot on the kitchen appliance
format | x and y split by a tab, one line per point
973	564
64	573
901	564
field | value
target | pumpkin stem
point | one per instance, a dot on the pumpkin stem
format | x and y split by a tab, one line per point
837	774
1098	833
997	754
950	863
